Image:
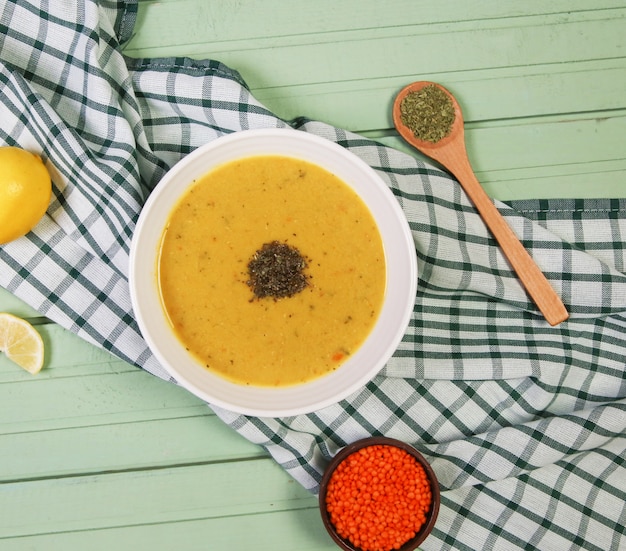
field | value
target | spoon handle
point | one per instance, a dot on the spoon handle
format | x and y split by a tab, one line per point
533	279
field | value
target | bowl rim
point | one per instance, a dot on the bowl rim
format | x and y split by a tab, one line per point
266	401
348	450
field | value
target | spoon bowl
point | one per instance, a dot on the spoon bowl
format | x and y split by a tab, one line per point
451	153
433	149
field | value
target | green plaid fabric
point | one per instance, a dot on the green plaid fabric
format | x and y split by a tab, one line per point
524	424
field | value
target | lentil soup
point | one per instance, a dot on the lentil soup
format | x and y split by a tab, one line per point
218	245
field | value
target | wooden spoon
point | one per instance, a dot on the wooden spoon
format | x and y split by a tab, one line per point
451	153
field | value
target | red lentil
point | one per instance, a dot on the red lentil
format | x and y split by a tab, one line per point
378	498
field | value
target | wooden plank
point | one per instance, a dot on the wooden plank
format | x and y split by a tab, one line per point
115	447
580	139
379	52
298	529
82	385
211	23
548	157
363	105
51	404
66	355
296	64
79	503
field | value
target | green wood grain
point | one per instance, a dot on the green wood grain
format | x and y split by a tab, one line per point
66	355
116	447
545	157
101	501
486	94
295	529
160	22
378	52
513	63
53	403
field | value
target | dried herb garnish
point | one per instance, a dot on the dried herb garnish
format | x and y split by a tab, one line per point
428	113
276	270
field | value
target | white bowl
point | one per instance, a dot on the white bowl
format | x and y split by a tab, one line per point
364	364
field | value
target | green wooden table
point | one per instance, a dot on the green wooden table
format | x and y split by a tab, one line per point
95	454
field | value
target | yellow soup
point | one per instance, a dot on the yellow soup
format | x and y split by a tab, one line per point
223	222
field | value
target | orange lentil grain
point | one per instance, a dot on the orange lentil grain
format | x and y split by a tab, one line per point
378	498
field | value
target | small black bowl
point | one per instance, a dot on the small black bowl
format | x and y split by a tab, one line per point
431	516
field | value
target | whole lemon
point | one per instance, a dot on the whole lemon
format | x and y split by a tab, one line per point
25	189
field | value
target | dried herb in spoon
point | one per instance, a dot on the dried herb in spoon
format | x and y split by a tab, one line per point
428	113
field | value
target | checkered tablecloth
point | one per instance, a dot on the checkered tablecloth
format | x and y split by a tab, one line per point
524	424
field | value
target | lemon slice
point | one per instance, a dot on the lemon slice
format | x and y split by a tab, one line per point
21	343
